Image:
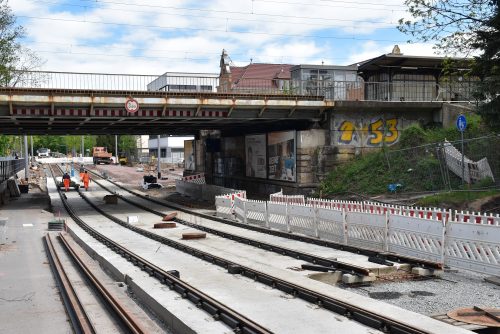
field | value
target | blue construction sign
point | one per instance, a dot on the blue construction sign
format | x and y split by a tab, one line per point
461	123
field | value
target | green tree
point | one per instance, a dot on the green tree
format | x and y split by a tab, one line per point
465	27
15	59
487	67
127	143
452	24
107	141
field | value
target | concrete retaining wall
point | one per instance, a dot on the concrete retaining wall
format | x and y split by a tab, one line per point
203	192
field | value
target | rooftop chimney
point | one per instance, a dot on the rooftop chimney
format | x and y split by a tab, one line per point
396	51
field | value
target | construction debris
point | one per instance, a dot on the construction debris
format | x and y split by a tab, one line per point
111	199
165	225
193	235
169	217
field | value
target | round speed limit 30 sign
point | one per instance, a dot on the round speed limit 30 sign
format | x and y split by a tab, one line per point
131	105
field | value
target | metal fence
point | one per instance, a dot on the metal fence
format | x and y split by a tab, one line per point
10	167
433	168
211	83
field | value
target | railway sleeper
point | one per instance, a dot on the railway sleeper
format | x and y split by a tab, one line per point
194	298
212	310
266	280
229	320
368	320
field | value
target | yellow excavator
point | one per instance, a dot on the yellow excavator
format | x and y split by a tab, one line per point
122	159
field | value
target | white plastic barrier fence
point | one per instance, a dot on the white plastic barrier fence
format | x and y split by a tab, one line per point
232	196
478	218
335	204
256	213
380	208
331	225
302	219
473	246
239	208
223	207
472	243
290	199
326	203
278	216
197	178
366	230
348	205
421	238
429	213
279	193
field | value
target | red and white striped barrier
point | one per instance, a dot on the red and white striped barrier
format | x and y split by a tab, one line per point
239	194
428	213
290	199
335	204
197	178
477	218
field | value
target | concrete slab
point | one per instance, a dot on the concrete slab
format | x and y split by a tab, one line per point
29	298
426	272
493	280
244	294
356	259
179	315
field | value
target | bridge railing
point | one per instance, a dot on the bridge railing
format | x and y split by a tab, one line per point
10	167
358	90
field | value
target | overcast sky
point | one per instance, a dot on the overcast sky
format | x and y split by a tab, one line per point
156	36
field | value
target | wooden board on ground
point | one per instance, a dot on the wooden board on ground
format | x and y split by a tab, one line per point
193	235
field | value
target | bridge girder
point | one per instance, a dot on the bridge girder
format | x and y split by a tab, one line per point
43	111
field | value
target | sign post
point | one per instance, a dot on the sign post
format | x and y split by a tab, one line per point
461	125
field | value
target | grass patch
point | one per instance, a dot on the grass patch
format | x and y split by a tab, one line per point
411	163
455	198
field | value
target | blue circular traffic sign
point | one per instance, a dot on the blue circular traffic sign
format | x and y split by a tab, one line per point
461	123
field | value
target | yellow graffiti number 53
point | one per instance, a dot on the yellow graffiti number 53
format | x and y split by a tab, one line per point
376	131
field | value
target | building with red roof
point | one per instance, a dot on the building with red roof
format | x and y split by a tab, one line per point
253	78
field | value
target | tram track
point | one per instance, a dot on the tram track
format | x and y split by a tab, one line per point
327	263
79	318
375	256
351	311
233	319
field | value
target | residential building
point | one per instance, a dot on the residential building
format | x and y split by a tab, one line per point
253	78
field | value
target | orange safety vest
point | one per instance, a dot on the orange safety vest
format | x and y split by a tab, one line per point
86	178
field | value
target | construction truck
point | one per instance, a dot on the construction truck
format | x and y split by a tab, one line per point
100	154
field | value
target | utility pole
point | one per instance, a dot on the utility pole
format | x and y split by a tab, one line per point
32	155
26	158
116	148
159	165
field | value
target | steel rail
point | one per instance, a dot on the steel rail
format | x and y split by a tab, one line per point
80	321
330	244
351	311
311	258
238	322
128	320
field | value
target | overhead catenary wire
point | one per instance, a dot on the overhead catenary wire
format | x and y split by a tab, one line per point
183	56
212	30
205	10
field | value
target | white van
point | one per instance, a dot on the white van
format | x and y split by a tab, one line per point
43	152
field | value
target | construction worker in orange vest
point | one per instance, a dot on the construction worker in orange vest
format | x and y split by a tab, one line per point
86	180
66	180
82	171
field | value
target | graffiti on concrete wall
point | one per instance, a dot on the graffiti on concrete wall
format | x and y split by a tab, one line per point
361	133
